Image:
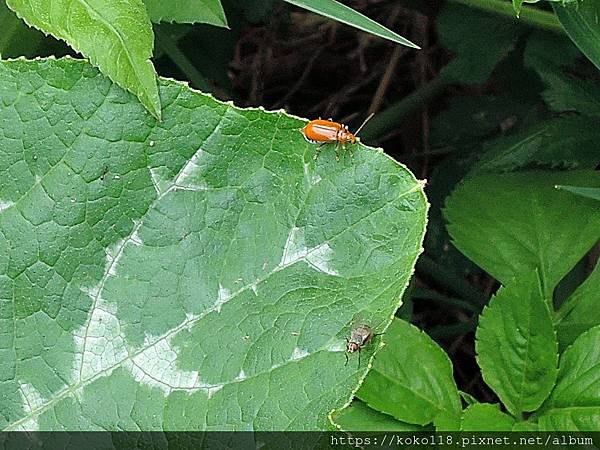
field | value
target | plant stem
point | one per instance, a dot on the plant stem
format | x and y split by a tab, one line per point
391	117
427	294
532	16
450	280
170	47
449	331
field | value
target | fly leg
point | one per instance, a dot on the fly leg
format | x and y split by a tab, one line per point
346	353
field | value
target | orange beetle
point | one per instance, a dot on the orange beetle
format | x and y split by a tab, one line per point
327	131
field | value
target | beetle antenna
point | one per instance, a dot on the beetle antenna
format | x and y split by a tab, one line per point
364	123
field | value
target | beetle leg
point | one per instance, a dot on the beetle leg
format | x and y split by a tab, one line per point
346	355
359	357
318	150
337	151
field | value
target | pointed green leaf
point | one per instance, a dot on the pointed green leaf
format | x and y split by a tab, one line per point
342	13
582	191
581	311
565	142
580	21
201	273
187	11
553	57
116	36
575	401
525	426
467	398
359	417
485	417
517	4
528	225
411	378
516	345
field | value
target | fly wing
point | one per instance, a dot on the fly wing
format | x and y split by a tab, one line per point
357	321
362	319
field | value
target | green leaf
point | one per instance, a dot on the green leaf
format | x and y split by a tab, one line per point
477	39
516	345
467	398
201	273
342	13
547	52
580	312
485	417
580	21
510	224
586	192
116	37
411	378
567	94
554	58
575	401
566	142
525	426
470	120
517	4
447	421
187	11
359	417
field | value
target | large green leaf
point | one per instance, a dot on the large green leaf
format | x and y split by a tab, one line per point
549	51
115	35
342	13
485	417
200	273
515	223
575	401
581	311
187	11
411	378
478	40
580	21
516	345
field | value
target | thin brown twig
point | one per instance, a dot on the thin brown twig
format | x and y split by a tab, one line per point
301	80
386	79
422	26
337	100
